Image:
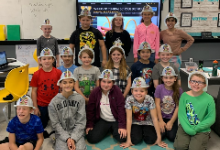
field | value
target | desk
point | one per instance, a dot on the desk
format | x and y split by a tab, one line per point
184	79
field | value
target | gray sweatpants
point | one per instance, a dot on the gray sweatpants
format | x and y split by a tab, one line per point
80	145
183	141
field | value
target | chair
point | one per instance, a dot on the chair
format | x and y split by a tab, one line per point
34	69
16	84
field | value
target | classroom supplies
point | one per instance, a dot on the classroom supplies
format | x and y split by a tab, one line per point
13	32
2	33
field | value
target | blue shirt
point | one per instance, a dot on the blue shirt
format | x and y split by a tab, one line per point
25	132
63	69
139	69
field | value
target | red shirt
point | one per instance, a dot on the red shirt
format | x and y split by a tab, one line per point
46	83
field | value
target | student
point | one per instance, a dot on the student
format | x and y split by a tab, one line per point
90	36
25	130
67	57
165	54
167	97
44	86
143	67
174	38
105	111
67	115
47	40
117	32
142	121
119	67
147	31
87	75
196	115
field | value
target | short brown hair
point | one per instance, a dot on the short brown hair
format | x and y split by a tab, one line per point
198	75
89	52
80	17
173	18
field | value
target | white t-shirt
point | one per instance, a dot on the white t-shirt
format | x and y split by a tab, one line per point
106	113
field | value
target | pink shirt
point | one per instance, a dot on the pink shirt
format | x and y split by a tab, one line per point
149	34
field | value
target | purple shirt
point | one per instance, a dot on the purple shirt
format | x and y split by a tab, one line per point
167	103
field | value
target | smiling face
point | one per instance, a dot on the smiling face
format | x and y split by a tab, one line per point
118	22
165	57
147	16
85	58
67	85
46	29
139	93
23	113
67	59
85	21
197	83
106	85
47	62
116	56
168	80
170	22
145	54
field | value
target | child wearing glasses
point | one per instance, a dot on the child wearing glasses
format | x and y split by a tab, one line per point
196	115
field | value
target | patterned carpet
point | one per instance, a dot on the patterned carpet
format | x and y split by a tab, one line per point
110	144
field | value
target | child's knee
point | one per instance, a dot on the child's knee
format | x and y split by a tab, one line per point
180	145
150	140
21	147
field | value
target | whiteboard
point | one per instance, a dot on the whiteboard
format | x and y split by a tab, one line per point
30	14
24	54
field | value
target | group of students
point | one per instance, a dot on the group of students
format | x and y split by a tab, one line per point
143	102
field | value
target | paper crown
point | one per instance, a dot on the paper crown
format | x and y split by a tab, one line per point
165	48
86	47
139	82
171	15
147	8
25	101
66	75
168	71
85	12
117	43
46	52
107	74
46	22
66	51
144	45
201	73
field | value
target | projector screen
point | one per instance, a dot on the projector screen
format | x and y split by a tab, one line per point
104	10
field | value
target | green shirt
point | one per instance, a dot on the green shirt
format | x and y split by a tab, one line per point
196	114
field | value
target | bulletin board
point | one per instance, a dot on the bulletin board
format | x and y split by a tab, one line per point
196	16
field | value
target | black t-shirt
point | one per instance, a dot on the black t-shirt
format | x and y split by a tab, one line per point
123	36
90	37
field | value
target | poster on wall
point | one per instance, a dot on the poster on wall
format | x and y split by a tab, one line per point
186	3
186	20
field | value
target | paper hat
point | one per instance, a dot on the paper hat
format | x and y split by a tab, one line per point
144	45
85	12
86	47
117	15
147	8
201	73
46	22
139	82
107	74
117	44
66	51
168	71
46	52
171	15
165	48
66	75
25	101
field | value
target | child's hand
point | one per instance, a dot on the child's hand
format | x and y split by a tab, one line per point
160	143
162	126
71	144
87	130
123	133
104	62
126	144
37	111
169	125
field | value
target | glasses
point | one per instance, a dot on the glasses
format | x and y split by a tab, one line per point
197	82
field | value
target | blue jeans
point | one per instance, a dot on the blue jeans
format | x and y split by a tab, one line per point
44	116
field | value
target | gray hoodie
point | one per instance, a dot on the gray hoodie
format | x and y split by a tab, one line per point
68	119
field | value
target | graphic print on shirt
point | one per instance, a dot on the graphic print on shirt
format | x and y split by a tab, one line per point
49	87
190	112
146	74
140	114
87	38
86	83
167	105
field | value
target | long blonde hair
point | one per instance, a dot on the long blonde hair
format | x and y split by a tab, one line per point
122	67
